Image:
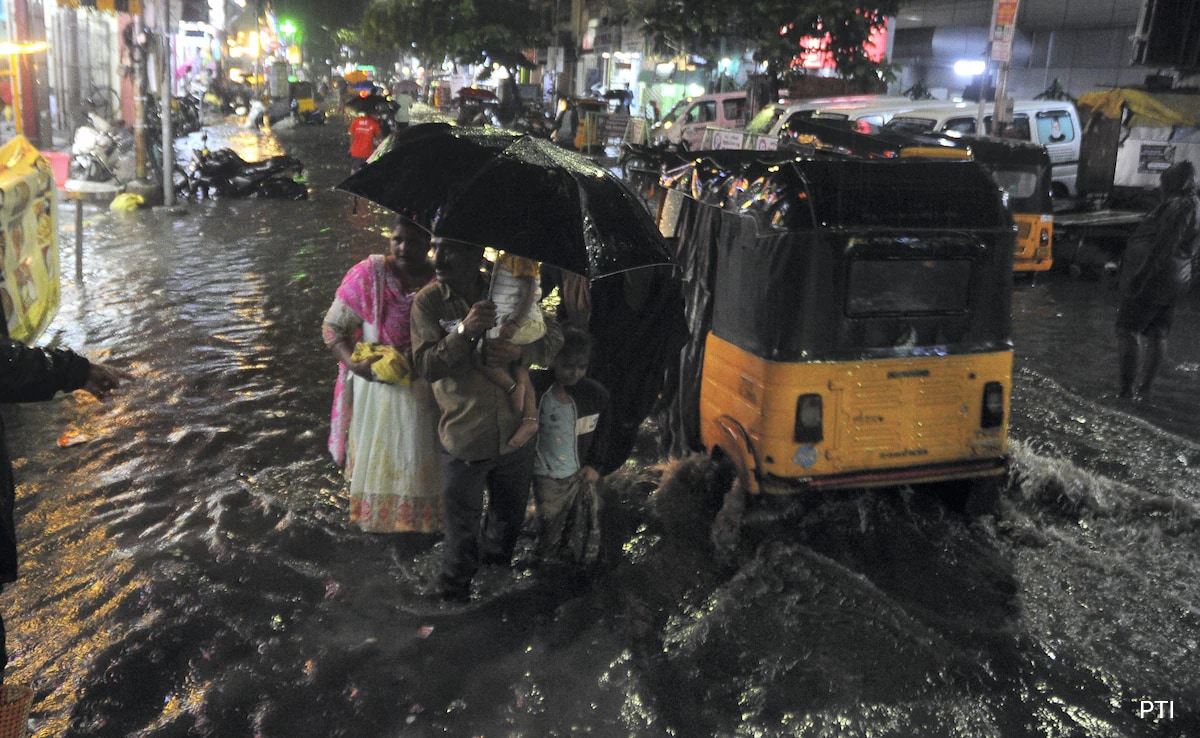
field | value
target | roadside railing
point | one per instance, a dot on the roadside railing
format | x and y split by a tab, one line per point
601	130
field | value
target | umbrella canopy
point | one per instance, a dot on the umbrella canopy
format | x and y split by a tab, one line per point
407	86
515	193
477	93
419	168
369	104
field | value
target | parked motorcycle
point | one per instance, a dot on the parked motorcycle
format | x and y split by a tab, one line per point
533	121
222	173
185	115
643	164
96	151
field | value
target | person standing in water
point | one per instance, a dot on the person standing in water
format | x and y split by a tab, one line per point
477	419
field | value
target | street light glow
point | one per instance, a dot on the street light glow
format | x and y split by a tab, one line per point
969	67
33	47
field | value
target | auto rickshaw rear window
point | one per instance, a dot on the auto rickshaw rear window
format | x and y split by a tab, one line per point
881	287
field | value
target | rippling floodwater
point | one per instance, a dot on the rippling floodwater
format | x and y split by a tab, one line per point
190	570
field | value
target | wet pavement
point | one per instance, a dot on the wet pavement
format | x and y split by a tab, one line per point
190	569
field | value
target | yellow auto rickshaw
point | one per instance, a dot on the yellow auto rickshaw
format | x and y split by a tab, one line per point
1019	168
590	113
304	99
849	321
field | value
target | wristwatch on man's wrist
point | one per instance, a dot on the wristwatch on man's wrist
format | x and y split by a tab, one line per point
462	331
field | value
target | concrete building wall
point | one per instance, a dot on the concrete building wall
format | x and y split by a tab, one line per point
1083	44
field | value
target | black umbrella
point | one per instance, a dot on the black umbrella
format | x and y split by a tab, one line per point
515	193
368	104
418	169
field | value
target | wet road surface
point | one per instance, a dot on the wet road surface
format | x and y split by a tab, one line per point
190	570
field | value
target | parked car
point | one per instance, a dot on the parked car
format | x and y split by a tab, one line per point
873	109
687	120
771	124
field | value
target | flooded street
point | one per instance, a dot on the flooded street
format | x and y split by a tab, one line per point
190	570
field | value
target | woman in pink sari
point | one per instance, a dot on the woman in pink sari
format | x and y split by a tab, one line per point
385	434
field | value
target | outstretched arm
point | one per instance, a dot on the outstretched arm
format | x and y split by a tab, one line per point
34	374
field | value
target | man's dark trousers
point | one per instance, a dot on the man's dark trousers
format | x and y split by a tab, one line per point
507	480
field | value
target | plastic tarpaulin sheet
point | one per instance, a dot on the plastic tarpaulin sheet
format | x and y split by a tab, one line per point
1134	136
1147	108
29	288
637	328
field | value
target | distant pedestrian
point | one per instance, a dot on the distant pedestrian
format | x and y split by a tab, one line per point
624	101
510	104
1155	272
403	115
365	133
565	125
573	417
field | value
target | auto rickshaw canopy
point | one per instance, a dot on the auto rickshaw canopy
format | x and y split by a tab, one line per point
797	258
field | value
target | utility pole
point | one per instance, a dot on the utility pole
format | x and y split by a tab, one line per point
1004	31
139	98
165	98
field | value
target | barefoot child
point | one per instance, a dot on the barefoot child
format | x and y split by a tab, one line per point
573	414
516	291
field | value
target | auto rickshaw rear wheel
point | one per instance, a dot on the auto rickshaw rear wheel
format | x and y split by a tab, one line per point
690	494
973	498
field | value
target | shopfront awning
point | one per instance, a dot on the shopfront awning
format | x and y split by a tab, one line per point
111	6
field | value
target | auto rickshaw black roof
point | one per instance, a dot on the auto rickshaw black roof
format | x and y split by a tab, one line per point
837	137
770	244
789	190
999	154
858	138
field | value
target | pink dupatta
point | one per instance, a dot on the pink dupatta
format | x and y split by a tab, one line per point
381	302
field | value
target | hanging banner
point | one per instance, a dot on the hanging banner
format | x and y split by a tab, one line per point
111	6
29	288
1004	29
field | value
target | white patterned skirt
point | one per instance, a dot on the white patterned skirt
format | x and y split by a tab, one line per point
393	458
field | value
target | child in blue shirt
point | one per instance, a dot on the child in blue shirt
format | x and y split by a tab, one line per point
573	421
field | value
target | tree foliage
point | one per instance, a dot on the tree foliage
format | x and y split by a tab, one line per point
467	31
773	28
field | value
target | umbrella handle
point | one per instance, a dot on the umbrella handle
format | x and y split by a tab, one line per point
492	279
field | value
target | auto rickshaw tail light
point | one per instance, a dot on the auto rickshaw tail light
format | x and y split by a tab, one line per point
809	420
993	405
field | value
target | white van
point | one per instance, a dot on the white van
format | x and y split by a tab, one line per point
689	118
1051	123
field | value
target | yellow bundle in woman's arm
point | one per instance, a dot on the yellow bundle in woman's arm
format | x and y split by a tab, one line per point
392	367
